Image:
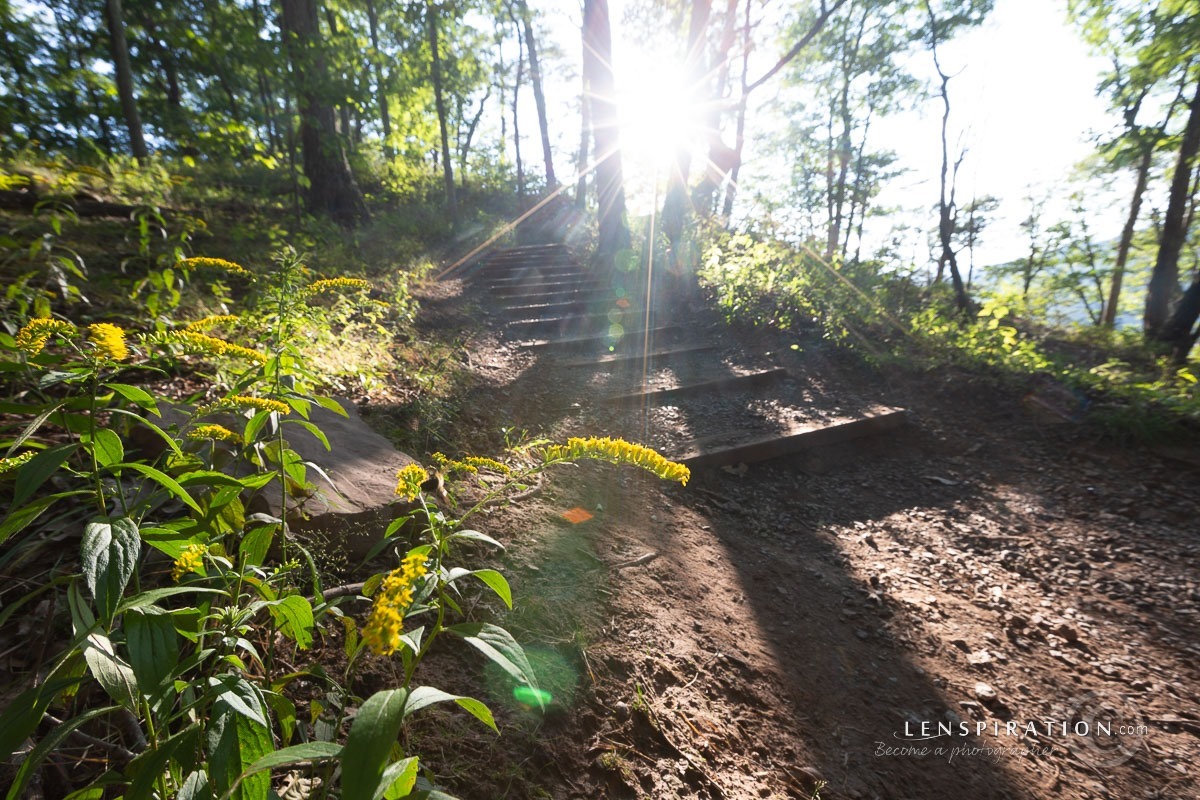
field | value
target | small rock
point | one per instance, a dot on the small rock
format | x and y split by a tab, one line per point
980	657
862	634
985	692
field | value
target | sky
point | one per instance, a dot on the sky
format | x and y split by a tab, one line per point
1022	92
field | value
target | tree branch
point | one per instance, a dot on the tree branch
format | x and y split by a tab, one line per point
787	57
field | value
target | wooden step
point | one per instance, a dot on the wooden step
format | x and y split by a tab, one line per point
630	338
736	383
518	290
795	440
637	358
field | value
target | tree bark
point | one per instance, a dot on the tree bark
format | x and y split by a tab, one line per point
610	181
516	120
539	98
332	188
385	116
124	71
1164	280
946	204
1108	317
431	29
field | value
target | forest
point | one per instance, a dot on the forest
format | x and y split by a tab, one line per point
832	468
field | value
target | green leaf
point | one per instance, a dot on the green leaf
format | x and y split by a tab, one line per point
294	616
21	518
311	751
195	787
109	555
311	428
152	596
37	470
238	736
153	646
255	544
107	447
499	646
114	675
476	536
53	739
163	480
365	756
33	425
137	396
167	439
23	714
146	769
399	779
332	405
497	583
424	696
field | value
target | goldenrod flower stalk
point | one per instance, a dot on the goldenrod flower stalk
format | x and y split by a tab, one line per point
469	465
33	337
217	432
109	341
383	627
409	480
193	342
190	560
8	465
201	262
241	401
210	321
617	451
336	285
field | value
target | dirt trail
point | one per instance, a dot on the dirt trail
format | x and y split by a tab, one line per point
916	615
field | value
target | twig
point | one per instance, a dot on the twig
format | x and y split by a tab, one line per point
637	562
123	755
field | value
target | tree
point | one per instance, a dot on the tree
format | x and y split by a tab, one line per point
601	94
124	72
331	185
381	89
539	96
435	75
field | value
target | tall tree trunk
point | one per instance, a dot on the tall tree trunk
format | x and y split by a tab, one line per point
332	188
120	54
585	130
946	202
675	203
516	118
539	98
1109	316
740	134
265	96
1165	278
431	29
610	181
381	94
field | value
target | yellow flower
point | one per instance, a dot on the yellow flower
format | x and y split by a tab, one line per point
193	342
617	451
244	401
33	337
487	463
383	627
218	432
109	341
213	263
11	464
336	284
409	480
210	321
190	560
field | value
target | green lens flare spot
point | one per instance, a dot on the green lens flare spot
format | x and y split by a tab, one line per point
530	696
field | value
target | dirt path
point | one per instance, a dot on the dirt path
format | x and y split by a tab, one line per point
939	612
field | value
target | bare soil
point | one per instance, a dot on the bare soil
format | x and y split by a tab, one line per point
982	605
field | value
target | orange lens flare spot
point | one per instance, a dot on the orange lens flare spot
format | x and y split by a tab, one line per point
622	303
576	515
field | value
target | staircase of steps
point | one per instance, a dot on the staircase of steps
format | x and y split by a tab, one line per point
659	376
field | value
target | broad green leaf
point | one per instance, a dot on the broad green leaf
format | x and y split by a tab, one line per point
238	736
159	432
311	751
149	765
152	596
153	646
399	779
499	646
365	756
139	397
294	616
163	480
311	428
37	470
109	555
255	544
497	583
423	696
195	787
21	518
332	405
114	675
107	447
